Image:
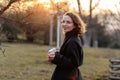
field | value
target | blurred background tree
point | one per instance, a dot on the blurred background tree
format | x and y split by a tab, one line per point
28	20
97	34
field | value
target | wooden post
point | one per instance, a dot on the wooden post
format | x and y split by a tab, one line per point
115	69
58	31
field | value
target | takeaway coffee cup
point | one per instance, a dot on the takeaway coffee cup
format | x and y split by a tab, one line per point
52	51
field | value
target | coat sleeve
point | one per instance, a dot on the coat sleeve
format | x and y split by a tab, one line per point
76	56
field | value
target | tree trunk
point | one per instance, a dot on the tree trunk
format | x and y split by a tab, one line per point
46	38
79	7
90	36
30	38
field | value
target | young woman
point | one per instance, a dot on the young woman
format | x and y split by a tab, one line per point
70	56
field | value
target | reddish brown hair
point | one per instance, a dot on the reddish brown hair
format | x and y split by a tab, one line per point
80	26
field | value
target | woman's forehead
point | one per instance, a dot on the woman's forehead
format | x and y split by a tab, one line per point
66	17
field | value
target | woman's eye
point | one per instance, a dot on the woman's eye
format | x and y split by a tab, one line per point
62	21
68	22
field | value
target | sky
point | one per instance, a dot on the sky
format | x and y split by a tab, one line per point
103	5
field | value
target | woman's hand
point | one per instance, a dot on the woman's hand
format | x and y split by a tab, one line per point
51	56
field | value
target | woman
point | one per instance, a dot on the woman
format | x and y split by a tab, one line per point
70	56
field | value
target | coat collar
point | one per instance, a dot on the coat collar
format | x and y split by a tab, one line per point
71	34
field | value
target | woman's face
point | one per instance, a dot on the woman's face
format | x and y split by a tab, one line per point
67	24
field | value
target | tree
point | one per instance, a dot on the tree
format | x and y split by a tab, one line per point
60	6
111	21
33	21
37	23
116	25
79	8
3	9
112	28
89	39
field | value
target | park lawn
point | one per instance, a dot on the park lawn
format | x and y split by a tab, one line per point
96	63
29	62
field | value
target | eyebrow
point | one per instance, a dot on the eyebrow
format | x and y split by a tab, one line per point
67	21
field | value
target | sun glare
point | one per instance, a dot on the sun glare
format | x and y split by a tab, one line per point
1	1
109	4
29	3
43	1
46	3
103	4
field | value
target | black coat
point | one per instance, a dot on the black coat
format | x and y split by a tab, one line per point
69	59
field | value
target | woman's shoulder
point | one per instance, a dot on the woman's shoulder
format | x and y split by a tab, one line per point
75	40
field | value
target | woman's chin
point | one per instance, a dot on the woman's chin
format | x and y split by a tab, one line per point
65	31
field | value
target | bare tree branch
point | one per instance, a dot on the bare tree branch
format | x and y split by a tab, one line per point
7	6
79	7
60	6
116	17
95	5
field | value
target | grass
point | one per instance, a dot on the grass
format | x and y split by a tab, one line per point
96	62
29	62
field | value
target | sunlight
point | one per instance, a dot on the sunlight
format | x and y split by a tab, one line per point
46	3
1	1
29	3
59	0
109	4
47	6
43	1
103	5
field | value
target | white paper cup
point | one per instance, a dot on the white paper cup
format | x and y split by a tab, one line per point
52	51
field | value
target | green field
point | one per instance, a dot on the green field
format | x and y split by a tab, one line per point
29	62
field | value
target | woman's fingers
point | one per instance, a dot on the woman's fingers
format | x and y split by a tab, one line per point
51	56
